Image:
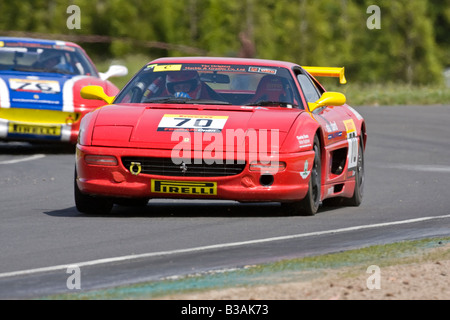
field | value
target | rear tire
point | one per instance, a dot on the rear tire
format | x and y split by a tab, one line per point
89	204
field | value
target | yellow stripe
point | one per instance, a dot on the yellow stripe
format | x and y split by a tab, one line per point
327	72
169	67
39	116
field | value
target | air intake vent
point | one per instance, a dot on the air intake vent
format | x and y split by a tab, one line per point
166	167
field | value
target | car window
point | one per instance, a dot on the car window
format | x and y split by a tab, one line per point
310	91
32	57
224	84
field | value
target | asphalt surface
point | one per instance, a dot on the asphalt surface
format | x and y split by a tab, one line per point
42	233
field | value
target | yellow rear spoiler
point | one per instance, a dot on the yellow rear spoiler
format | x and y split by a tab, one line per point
327	72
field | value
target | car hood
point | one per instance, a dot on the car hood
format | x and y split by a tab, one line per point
46	91
166	126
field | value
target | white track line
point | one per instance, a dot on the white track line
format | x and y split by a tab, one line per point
33	157
425	168
217	246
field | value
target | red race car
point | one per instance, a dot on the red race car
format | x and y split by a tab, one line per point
249	130
40	83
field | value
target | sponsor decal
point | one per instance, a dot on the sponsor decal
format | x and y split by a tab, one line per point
350	127
331	127
262	70
305	173
304	141
184	187
192	123
168	67
215	67
25	44
333	135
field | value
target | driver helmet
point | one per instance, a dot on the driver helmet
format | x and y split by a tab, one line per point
50	58
183	82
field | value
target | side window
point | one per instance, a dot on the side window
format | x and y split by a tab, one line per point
309	89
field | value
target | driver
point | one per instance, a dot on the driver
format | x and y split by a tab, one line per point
184	84
48	61
53	60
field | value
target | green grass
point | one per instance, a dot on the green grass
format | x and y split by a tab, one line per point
357	94
277	272
393	94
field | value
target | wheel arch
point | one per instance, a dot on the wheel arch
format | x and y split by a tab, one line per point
363	133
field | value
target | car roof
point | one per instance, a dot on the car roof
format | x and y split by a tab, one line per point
37	40
225	60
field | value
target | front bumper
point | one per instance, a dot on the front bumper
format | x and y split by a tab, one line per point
288	184
39	124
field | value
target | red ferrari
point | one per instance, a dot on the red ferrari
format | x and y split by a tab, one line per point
248	130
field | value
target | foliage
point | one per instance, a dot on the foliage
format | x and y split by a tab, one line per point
412	45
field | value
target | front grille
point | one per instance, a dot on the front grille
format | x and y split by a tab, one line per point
166	167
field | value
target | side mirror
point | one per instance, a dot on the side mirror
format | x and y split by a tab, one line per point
95	93
114	71
327	99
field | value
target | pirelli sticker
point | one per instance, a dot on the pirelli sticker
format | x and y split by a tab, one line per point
184	187
16	128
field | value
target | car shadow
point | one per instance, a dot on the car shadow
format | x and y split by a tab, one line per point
183	209
30	148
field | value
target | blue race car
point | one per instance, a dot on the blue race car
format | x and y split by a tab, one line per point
40	83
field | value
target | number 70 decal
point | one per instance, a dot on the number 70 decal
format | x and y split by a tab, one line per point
192	123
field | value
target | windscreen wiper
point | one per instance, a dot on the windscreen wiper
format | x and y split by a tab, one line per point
183	100
266	103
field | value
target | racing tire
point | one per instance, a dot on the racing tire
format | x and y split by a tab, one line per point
309	205
91	205
356	199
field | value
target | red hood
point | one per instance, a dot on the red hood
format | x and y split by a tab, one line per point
153	126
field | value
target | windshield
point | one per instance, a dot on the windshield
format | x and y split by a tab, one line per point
212	84
36	57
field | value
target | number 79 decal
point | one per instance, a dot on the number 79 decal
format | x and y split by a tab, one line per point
40	86
192	123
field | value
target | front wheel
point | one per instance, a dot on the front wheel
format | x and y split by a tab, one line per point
91	205
356	199
309	205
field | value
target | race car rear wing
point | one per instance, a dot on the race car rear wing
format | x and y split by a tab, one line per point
327	72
